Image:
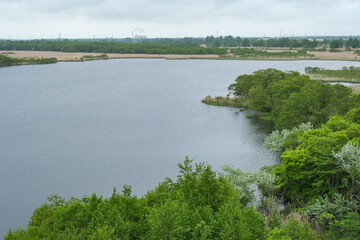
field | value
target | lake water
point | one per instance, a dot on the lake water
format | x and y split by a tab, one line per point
77	128
348	84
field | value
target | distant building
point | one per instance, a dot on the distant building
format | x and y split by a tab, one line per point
140	36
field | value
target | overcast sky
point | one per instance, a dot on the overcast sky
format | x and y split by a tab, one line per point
24	19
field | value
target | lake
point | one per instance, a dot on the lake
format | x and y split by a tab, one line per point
77	128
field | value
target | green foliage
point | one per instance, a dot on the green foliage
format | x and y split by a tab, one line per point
353	115
199	205
353	42
242	85
88	218
170	220
8	61
235	222
313	103
347	228
294	228
171	45
319	161
310	170
337	43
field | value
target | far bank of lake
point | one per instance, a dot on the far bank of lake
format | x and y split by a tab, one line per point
79	56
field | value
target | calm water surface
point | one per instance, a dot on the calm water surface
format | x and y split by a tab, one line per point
73	129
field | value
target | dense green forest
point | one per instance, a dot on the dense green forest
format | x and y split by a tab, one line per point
9	61
311	193
351	74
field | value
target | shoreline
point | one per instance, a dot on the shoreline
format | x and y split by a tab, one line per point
79	56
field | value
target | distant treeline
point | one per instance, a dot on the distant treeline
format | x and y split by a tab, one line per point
109	47
8	61
230	41
171	45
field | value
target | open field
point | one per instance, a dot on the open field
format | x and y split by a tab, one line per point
356	89
336	55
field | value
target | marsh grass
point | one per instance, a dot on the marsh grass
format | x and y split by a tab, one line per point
322	78
225	101
8	61
351	74
355	89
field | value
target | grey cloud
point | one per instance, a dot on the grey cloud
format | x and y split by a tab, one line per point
178	11
312	14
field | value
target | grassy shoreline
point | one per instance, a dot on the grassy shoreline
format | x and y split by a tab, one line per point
6	61
345	75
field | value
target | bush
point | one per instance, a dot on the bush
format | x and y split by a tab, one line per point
294	227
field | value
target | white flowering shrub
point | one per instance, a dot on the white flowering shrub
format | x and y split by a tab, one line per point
349	158
265	180
275	142
338	206
247	183
242	182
